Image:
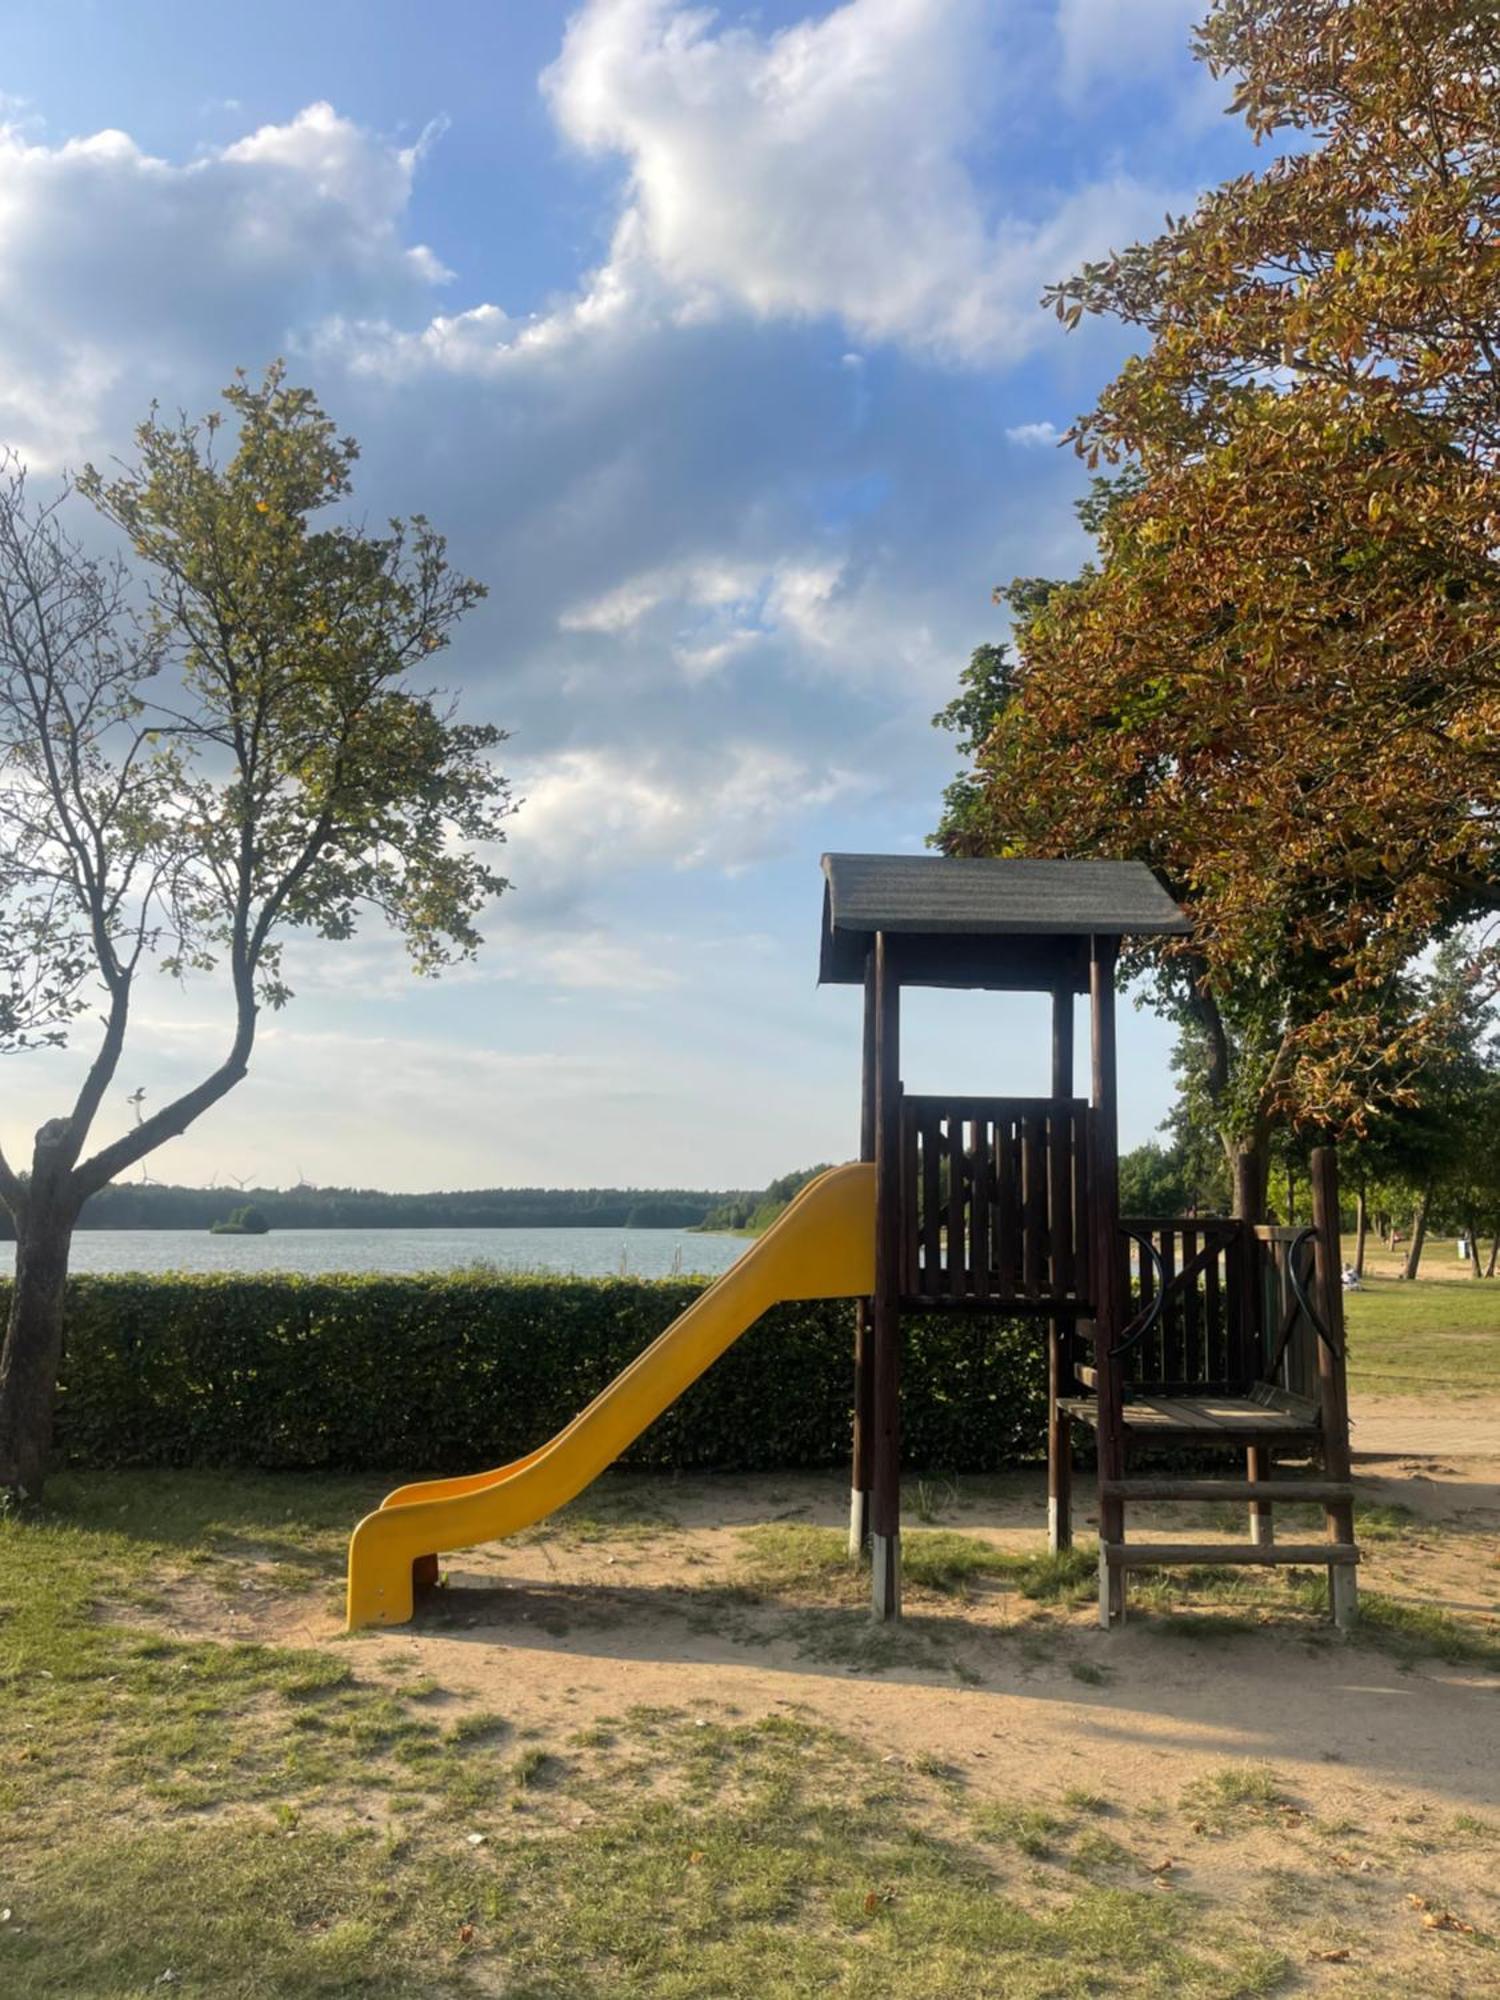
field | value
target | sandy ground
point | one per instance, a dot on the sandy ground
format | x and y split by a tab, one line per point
648	1601
566	1626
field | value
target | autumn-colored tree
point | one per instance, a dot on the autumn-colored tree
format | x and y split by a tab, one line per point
1280	683
247	760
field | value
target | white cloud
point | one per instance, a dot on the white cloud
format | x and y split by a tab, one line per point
120	273
1034	436
822	169
593	961
713	584
596	812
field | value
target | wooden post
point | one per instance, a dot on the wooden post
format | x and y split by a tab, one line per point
1109	1298
885	1484
1333	1387
864	1379
1262	1518
1060	1326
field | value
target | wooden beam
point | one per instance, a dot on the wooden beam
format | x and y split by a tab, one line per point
1333	1387
1060	1326
1283	1492
864	1379
885	1484
1305	1555
1109	1317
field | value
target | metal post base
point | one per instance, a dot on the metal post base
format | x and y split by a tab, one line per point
859	1523
1111	1592
1343	1595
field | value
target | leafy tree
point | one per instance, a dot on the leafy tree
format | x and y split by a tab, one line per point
1153	1181
757	1212
1278	685
245	1221
247	759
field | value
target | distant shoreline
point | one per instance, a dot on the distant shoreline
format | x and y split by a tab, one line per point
147	1206
407	1228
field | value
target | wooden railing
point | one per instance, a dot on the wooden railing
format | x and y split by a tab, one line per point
1280	1313
995	1200
1208	1333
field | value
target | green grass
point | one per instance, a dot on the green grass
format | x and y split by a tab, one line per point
265	1821
1223	1798
261	1821
788	1558
1436	1337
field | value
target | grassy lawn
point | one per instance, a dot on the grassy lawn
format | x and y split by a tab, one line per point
1437	1337
211	1817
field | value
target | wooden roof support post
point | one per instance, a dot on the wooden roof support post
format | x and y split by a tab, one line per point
885	1329
1333	1387
864	1379
1109	1268
1060	1326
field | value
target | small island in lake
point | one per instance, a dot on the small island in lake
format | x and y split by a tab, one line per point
246	1221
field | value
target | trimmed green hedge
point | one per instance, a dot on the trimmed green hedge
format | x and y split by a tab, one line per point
451	1374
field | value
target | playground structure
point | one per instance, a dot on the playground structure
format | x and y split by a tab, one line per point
1221	1339
1162	1335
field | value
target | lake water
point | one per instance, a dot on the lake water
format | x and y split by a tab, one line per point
587	1253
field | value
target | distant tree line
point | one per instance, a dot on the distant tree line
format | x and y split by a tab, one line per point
145	1205
756	1212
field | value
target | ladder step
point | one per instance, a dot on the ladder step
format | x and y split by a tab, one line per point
1225	1489
1306	1555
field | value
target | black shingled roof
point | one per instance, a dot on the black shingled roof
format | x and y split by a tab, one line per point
943	896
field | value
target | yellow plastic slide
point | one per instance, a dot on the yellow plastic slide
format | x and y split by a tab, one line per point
823	1247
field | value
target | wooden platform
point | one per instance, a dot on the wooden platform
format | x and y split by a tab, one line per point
1169	1420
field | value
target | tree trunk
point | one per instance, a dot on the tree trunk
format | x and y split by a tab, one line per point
1361	1232
1489	1269
1249	1169
1418	1235
33	1342
1472	1232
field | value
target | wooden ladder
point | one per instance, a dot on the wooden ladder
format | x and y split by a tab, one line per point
1338	1556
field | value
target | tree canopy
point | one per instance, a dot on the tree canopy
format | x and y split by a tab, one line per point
1278	684
206	748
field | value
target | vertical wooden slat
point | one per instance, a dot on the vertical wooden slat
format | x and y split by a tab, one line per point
910	1199
1173	1367
1083	1151
1215	1362
979	1211
956	1253
1059	1201
1192	1318
1150	1367
1236	1375
931	1206
1034	1181
1007	1208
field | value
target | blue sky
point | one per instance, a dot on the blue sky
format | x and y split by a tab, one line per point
712	341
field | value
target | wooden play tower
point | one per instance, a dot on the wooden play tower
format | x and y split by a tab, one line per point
1184	1336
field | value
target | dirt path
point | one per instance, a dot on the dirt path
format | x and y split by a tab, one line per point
1406	1428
